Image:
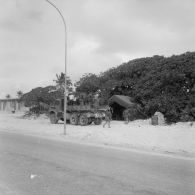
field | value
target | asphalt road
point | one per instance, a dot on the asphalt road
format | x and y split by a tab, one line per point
32	165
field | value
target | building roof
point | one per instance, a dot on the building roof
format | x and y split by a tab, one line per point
122	100
10	99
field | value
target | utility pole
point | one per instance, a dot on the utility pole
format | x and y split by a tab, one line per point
65	62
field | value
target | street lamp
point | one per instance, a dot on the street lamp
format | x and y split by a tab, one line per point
65	44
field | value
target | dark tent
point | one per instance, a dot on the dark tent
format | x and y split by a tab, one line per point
119	103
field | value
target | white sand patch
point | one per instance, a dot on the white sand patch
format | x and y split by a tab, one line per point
140	134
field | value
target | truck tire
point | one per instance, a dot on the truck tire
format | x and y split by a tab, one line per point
53	118
83	120
97	121
74	119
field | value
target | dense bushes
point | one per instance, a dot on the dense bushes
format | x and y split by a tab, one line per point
39	99
156	83
165	84
39	95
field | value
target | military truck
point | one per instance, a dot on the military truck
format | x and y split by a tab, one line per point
76	114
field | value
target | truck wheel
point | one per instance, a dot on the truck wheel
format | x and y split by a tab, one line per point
74	119
97	121
83	120
53	118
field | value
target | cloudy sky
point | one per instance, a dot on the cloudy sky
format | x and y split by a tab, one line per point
101	34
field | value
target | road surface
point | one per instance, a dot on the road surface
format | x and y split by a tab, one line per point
33	165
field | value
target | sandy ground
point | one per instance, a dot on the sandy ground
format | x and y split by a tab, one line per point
176	139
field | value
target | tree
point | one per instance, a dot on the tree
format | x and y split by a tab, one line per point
39	95
19	94
88	83
60	83
8	96
159	83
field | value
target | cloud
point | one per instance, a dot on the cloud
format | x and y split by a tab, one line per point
101	34
19	15
137	26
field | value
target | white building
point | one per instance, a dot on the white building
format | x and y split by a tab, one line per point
11	104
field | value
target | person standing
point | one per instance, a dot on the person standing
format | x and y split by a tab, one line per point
126	116
108	117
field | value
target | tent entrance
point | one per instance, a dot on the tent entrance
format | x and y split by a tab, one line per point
119	103
117	111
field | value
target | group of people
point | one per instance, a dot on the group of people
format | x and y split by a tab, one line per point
108	116
73	100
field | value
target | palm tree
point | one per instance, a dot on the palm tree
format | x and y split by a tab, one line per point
60	81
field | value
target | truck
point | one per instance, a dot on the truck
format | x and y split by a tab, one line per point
76	114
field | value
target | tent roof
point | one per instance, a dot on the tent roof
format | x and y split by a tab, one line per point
122	100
